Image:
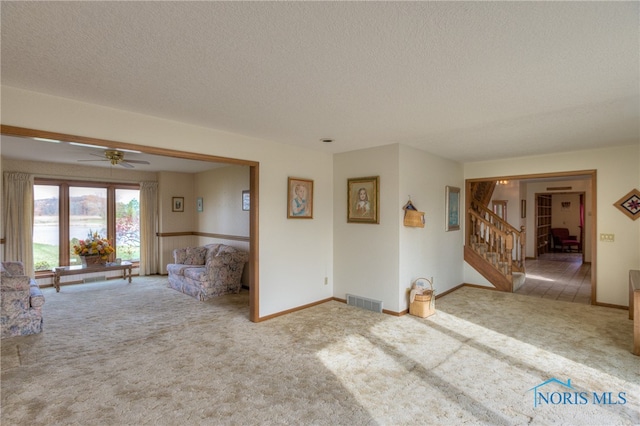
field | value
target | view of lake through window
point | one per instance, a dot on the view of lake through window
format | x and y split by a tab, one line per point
87	213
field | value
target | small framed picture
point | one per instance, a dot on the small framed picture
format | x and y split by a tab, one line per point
363	200
300	198
452	201
177	204
199	204
246	200
630	204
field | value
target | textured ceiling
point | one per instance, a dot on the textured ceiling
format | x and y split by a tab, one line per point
464	80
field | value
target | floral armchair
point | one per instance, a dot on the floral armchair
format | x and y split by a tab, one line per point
207	271
21	301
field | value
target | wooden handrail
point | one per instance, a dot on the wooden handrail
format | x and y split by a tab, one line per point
519	235
497	242
479	207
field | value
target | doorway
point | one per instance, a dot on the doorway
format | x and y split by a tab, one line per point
524	208
560	211
254	170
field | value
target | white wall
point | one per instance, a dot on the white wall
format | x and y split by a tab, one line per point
381	261
366	256
430	251
618	172
221	192
295	255
569	217
173	184
510	193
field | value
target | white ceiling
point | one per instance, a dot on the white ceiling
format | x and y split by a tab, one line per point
463	80
28	149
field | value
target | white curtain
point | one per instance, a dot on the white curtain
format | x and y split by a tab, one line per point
148	228
18	219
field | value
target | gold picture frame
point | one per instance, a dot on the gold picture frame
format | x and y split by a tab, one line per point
363	200
177	204
299	198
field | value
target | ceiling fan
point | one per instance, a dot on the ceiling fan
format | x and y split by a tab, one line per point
117	158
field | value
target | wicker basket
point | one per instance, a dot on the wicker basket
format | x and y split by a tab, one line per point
414	218
424	304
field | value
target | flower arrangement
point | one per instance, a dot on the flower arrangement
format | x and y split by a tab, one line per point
94	245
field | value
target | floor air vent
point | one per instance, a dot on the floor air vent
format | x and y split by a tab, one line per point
94	279
364	303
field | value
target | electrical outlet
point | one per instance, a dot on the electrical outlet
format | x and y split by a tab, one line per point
326	280
607	238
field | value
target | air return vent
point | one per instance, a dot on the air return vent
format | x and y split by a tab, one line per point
364	303
94	279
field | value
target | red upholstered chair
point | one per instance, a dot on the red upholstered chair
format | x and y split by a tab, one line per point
562	240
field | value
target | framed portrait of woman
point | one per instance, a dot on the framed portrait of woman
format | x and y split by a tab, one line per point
300	198
363	200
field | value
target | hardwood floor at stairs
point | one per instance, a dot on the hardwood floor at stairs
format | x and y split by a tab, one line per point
558	276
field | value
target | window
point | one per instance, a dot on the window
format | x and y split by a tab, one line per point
87	215
66	211
128	224
46	227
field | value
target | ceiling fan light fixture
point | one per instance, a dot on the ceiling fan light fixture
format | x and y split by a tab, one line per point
114	156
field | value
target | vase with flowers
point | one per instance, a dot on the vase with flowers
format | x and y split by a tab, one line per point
94	250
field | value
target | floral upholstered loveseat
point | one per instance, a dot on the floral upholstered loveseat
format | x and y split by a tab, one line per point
21	301
207	271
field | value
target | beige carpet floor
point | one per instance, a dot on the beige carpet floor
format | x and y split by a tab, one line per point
114	353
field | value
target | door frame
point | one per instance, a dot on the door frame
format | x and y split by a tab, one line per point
592	176
254	180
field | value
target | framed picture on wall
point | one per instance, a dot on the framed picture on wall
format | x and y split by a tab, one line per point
177	204
363	200
299	198
452	202
246	200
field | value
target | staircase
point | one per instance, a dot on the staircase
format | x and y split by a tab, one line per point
494	248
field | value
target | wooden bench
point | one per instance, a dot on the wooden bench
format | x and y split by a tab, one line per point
634	308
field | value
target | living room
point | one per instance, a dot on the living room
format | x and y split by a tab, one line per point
424	97
612	166
332	248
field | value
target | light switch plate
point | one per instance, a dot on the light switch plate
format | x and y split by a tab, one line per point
607	238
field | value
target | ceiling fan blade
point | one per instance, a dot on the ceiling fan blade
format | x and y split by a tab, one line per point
92	160
137	161
126	164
